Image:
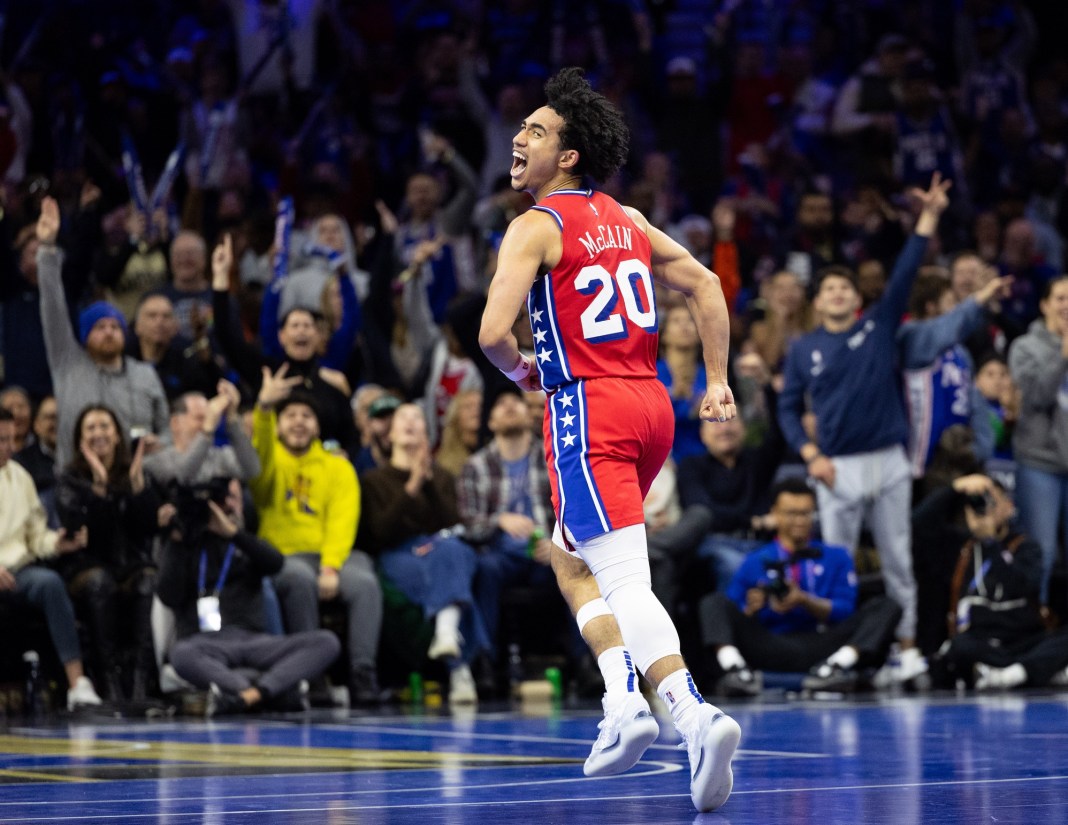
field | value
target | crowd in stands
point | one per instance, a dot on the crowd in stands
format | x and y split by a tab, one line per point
244	251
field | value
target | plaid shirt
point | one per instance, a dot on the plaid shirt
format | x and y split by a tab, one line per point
484	490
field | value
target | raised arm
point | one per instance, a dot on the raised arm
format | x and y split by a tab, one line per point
61	347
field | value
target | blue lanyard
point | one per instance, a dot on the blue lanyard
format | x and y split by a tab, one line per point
222	571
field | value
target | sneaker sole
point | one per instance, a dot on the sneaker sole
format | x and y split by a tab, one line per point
713	780
633	741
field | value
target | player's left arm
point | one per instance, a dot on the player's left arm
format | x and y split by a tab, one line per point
522	254
674	267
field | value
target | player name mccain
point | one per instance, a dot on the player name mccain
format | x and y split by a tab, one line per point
608	237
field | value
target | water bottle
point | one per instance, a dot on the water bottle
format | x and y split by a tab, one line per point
532	545
31	700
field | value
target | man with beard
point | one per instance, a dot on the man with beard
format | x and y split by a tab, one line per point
300	338
99	373
309	504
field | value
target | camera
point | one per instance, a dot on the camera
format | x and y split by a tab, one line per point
191	505
778	584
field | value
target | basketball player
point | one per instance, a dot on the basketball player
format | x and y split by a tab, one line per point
585	266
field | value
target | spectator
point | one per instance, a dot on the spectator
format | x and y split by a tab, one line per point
309	506
681	371
131	259
376	443
847	368
39	457
192	458
182	365
787	316
21	325
460	434
506	507
16	401
189	289
300	337
729	482
1038	362
792	607
221	628
813	242
99	373
1002	402
938	370
24	540
113	579
438	227
409	512
997	632
865	112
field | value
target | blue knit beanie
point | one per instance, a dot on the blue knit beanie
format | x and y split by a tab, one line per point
96	312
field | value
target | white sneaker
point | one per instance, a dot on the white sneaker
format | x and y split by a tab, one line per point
901	666
1060	678
462	686
628	728
910	665
445	646
711	748
83	693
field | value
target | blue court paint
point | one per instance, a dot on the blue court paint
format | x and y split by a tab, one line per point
901	760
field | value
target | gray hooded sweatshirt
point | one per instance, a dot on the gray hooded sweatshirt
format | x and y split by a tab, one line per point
1041	372
134	392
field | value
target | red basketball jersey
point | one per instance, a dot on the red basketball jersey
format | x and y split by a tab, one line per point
594	314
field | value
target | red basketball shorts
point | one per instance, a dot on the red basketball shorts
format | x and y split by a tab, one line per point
605	441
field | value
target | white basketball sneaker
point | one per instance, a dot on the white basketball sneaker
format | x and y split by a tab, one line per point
628	728
710	748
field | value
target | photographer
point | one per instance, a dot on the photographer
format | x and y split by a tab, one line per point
792	607
998	635
214	585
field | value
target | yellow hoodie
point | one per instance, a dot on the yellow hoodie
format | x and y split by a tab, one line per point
308	503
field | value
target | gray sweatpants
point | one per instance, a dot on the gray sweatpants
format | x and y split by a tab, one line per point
876	487
282	661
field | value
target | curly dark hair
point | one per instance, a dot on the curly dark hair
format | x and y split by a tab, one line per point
592	125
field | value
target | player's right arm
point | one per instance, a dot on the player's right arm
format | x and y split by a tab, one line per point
531	243
674	267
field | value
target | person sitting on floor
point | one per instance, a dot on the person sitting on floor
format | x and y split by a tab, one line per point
211	575
792	607
998	634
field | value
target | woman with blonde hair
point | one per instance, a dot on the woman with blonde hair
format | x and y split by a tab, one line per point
459	436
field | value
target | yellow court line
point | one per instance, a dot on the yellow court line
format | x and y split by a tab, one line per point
253	755
50	777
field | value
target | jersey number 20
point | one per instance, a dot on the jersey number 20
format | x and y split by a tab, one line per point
600	321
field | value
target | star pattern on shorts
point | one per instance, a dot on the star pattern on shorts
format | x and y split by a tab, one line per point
545	355
567	420
568	439
535	316
565	400
539	336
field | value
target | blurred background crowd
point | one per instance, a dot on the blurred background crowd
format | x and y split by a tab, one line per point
251	239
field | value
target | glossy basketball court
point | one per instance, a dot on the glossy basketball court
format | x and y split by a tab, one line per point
939	759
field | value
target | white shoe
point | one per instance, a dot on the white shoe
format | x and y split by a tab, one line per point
462	686
901	666
445	646
1060	678
628	728
711	749
83	693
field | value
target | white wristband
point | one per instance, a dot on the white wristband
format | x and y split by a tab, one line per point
521	370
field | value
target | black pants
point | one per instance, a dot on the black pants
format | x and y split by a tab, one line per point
1042	655
870	630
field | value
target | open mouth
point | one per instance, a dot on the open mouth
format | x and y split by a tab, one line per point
519	164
